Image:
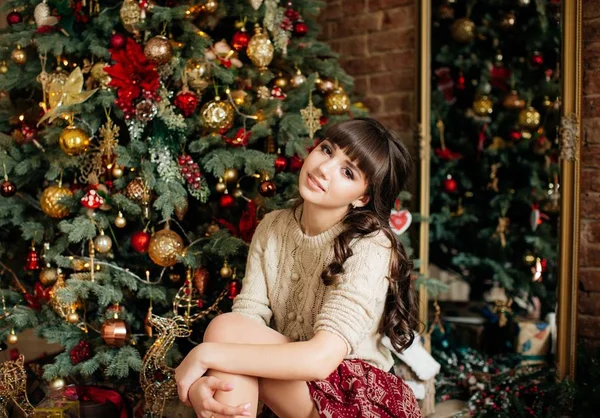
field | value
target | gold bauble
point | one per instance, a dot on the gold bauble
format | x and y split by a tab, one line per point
131	15
137	191
74	141
99	75
337	102
260	49
158	50
117	171
19	56
529	118
230	175
48	276
114	332
483	106
50	201
217	115
211	6
3	67
120	221
463	30
73	318
164	247
281	82
513	101
547	103
12	338
226	271
198	74
221	187
102	243
239	97
57	384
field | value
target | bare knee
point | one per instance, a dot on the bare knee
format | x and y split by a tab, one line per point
222	328
238	329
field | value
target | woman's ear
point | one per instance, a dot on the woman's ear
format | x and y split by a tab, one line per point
361	201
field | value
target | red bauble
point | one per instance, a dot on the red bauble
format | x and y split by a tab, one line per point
118	41
33	260
515	135
295	163
226	201
32	302
537	59
81	352
13	18
233	289
450	185
8	188
300	28
280	163
461	84
240	40
140	241
186	102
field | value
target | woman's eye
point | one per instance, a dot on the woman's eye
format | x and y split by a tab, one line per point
348	173
326	149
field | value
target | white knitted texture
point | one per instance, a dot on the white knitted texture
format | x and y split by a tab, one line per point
283	287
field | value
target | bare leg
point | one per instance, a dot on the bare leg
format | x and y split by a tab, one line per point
287	398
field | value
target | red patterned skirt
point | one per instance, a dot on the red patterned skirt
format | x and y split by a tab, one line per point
358	390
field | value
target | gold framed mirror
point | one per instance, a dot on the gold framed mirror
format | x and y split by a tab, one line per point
569	162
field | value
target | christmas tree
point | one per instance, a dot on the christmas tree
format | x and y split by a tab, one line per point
141	142
495	182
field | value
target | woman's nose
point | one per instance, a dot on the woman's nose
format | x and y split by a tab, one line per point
324	169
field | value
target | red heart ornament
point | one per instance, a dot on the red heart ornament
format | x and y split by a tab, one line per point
400	220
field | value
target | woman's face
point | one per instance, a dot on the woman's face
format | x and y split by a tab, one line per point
329	178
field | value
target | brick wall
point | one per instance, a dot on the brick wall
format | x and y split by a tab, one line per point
589	293
376	43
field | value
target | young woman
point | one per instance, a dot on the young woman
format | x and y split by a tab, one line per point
324	282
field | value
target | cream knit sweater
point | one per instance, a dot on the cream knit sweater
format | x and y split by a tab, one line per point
283	289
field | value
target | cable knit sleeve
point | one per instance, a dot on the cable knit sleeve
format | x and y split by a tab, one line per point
353	307
253	300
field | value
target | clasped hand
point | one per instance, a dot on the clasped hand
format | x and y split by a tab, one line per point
198	391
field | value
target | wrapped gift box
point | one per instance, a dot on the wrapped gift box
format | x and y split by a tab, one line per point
57	408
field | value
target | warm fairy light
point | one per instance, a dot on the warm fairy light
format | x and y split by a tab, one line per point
21	118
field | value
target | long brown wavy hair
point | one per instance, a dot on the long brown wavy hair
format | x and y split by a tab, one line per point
387	164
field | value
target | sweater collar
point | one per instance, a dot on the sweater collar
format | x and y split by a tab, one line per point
316	241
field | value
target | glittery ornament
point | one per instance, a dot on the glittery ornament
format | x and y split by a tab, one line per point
99	75
146	110
529	118
131	15
201	280
74	141
50	201
337	102
92	200
42	15
463	30
240	39
82	351
165	246
48	276
181	209
137	191
217	115
140	241
483	106
158	50
298	79
311	115
260	49
190	171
